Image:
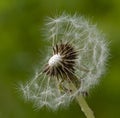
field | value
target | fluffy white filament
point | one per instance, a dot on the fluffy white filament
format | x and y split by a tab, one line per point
90	63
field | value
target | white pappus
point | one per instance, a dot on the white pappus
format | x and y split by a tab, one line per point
79	53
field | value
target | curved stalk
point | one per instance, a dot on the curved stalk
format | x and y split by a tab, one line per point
83	104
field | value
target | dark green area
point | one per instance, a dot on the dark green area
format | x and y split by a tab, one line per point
22	48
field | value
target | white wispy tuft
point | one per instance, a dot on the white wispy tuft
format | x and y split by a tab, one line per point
92	52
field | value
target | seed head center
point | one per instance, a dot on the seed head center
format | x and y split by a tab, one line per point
54	60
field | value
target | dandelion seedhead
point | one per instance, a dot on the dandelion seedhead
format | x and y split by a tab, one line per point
77	57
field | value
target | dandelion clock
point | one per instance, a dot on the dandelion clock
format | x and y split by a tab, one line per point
77	59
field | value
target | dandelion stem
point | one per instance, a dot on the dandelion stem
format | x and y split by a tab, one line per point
83	104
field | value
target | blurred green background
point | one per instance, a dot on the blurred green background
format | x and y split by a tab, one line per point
21	45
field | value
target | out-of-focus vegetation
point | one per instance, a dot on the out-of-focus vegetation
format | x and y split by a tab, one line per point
21	45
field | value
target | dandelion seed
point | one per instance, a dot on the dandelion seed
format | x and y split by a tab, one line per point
79	56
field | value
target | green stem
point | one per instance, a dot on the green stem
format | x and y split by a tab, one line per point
83	104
